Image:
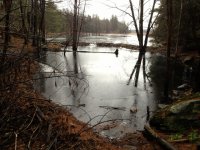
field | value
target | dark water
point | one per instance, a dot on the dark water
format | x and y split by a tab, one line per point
93	86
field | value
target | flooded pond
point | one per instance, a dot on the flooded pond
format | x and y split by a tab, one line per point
93	86
106	38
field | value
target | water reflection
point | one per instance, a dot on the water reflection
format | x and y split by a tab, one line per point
75	62
94	80
116	52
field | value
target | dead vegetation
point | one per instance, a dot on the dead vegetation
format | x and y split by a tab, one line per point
29	121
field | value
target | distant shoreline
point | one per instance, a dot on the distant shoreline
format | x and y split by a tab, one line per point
63	34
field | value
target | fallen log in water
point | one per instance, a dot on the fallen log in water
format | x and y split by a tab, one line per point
129	46
154	135
89	52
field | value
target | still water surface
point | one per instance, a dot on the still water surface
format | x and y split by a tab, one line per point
99	91
106	38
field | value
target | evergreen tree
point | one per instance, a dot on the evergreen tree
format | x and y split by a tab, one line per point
187	12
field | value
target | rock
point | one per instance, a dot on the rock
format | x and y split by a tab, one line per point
183	87
133	109
161	106
188	60
181	115
183	106
175	92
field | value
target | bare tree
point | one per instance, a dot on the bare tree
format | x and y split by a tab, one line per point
77	22
140	35
22	15
169	36
82	19
34	22
7	7
75	26
42	20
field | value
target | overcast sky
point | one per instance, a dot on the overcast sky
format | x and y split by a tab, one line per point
103	8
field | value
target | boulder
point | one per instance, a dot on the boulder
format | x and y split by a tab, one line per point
179	116
183	86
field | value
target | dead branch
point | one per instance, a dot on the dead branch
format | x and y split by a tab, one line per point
161	141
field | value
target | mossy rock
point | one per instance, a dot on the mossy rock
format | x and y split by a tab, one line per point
178	116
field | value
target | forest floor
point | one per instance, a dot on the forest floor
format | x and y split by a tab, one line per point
28	120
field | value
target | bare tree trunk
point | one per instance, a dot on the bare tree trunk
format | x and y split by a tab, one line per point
150	25
141	50
75	32
81	23
144	72
42	22
142	43
168	69
141	24
177	44
24	30
75	63
179	26
7	6
31	18
139	61
134	20
35	24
